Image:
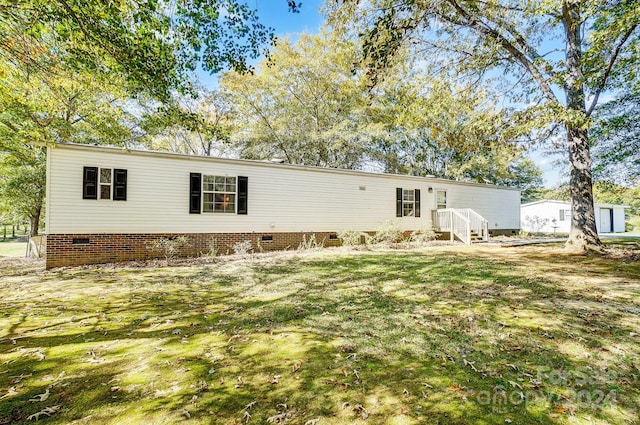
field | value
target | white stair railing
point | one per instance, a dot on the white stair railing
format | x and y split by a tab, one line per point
479	224
460	223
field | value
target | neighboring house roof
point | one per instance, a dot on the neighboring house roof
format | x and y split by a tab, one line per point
544	201
552	201
267	163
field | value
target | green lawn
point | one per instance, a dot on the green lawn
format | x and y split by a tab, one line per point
441	335
13	247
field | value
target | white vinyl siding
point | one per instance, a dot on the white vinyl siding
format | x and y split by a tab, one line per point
282	198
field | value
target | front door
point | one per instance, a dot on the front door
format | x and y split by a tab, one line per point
441	199
606	222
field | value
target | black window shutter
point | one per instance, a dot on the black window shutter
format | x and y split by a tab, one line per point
195	195
90	183
417	200
119	185
243	185
399	202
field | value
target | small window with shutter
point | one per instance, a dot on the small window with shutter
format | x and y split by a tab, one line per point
407	202
104	183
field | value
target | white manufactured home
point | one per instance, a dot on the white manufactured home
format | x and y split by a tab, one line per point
106	204
551	216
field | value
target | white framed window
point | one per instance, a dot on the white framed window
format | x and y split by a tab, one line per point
105	180
441	199
565	215
219	194
408	202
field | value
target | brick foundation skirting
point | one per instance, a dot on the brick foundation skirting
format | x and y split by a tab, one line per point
79	249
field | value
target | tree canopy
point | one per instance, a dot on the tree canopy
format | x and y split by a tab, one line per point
36	110
303	105
307	105
152	46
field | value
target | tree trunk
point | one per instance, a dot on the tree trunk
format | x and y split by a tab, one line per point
583	235
35	220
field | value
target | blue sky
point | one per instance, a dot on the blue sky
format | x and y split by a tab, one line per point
275	14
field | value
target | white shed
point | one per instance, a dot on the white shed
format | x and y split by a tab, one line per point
105	204
551	216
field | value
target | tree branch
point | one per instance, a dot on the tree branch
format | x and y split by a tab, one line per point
607	71
516	53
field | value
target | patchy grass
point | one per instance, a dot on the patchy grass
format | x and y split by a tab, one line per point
451	335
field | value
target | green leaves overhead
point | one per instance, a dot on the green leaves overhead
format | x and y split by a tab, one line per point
153	45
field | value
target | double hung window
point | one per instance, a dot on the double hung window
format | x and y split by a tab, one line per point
218	194
407	202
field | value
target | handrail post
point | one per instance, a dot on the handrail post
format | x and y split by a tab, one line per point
468	238
451	225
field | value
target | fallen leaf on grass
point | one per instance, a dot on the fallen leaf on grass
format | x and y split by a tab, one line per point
17	379
281	418
470	364
40	397
48	411
515	385
312	421
363	412
11	391
275	379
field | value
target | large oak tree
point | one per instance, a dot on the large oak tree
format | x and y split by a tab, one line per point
560	88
